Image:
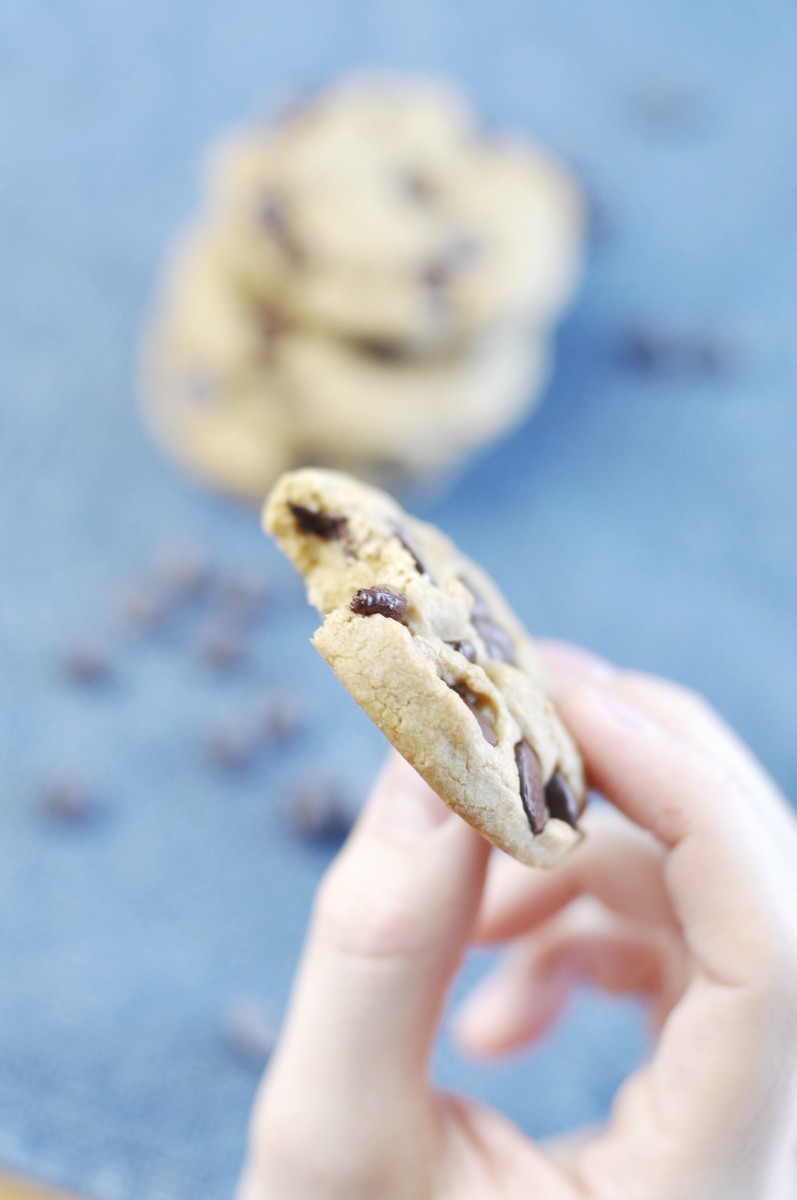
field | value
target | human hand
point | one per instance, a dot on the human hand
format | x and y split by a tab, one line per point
687	894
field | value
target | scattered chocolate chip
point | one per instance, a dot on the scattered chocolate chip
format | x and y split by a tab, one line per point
532	791
677	354
142	609
230	750
274	216
497	641
242	597
465	648
316	812
322	524
86	664
68	800
382	600
560	800
249	1030
182	574
279	718
667	108
222	649
481	708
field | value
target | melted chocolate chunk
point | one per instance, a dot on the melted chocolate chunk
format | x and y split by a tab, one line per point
560	800
481	709
322	524
404	538
274	216
382	600
532	790
465	648
497	641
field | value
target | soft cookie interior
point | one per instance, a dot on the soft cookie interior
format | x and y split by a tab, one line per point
428	647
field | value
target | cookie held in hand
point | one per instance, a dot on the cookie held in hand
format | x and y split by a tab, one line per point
426	645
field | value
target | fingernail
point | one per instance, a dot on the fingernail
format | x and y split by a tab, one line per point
573	664
403	804
624	714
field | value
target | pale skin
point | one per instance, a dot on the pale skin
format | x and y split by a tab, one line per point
684	890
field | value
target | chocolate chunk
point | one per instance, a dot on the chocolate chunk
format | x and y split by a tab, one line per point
383	351
382	600
322	524
406	542
273	327
274	216
532	791
481	708
417	186
458	255
560	800
465	648
497	641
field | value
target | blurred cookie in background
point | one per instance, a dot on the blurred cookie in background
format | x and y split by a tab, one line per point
371	285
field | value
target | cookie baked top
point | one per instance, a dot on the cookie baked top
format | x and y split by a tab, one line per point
426	644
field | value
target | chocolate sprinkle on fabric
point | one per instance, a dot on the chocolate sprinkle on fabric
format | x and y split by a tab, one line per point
322	524
381	600
560	800
532	790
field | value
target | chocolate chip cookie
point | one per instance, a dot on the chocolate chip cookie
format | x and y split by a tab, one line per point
239	393
379	211
427	646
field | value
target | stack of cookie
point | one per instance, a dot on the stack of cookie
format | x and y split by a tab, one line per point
371	285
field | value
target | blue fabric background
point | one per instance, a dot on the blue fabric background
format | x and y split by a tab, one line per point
648	516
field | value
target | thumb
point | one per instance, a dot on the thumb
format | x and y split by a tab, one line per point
389	924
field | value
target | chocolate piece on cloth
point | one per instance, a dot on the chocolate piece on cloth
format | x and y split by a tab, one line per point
448	673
